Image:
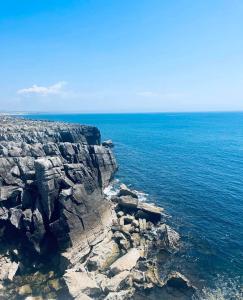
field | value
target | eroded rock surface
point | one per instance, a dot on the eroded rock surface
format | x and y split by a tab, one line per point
51	180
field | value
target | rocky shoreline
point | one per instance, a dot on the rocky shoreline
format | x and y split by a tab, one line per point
61	237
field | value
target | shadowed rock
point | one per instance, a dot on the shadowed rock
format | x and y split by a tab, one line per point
52	176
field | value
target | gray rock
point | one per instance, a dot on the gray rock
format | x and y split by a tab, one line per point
125	191
128	202
52	177
108	144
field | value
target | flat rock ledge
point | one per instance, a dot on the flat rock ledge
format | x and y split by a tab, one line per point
61	237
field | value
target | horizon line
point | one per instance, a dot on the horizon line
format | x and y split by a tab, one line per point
114	113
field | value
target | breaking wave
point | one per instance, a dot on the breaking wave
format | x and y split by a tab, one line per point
113	189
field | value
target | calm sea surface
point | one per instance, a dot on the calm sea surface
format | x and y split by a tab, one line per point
192	165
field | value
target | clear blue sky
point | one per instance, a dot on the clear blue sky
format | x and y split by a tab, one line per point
121	55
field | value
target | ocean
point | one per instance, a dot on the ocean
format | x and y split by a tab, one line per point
192	165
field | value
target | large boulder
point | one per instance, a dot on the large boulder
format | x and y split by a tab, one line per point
125	191
126	262
79	283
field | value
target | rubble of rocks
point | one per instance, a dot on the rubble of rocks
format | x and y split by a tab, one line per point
123	265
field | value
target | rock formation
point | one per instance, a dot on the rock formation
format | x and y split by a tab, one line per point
55	216
51	181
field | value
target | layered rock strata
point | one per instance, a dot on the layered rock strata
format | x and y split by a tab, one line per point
51	180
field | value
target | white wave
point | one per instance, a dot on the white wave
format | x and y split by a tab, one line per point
112	189
141	196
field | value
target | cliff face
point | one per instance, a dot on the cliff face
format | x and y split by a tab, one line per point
51	180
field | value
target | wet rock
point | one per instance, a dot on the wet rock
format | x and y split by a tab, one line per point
125	191
24	290
55	284
151	212
169	238
179	286
108	144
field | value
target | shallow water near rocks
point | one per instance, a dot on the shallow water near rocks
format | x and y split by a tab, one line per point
191	164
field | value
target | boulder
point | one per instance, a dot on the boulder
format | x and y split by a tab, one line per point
116	283
150	212
80	283
125	191
126	262
128	202
169	238
103	255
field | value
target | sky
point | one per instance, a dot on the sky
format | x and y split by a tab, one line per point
121	55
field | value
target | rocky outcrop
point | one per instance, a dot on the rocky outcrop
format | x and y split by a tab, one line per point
54	215
52	177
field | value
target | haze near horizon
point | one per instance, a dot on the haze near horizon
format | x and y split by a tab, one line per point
121	56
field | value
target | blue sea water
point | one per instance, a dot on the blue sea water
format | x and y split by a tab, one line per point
192	165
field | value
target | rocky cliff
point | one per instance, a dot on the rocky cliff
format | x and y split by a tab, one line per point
61	237
51	180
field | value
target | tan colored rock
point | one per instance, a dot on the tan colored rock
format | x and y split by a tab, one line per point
8	268
82	296
117	282
121	295
24	290
126	262
80	282
55	284
103	255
